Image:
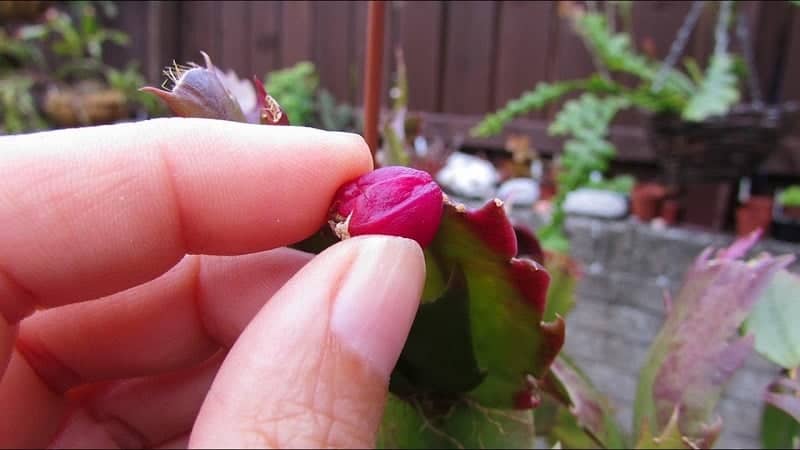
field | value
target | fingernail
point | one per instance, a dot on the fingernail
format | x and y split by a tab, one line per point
378	299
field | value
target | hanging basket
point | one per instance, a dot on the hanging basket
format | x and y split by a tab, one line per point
723	148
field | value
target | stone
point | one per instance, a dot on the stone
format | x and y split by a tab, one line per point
596	203
519	192
468	176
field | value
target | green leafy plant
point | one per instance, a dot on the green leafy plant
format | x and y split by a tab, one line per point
790	196
585	121
18	106
296	86
77	85
306	102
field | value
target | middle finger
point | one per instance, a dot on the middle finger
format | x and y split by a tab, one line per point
174	321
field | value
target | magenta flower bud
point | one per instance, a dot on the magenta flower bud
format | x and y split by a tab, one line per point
396	201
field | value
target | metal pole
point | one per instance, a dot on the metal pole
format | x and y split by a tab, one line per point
372	72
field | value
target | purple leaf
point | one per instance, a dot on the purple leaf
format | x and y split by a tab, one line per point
698	348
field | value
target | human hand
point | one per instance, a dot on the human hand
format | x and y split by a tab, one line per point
180	349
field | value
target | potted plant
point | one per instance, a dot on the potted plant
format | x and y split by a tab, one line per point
691	111
755	213
786	220
54	73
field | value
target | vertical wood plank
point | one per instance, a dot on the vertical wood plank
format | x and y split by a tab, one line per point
130	18
200	29
658	22
330	46
235	39
265	33
771	34
790	87
296	32
522	49
468	57
359	48
163	38
419	34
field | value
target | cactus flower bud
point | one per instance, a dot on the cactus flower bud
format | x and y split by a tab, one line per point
396	201
198	92
208	92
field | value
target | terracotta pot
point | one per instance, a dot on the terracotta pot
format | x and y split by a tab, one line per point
646	200
754	214
670	211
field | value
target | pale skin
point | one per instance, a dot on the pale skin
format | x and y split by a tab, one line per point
147	299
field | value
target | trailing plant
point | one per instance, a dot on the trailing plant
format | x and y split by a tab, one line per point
622	184
659	89
483	350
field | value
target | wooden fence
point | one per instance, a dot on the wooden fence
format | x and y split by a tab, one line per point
464	58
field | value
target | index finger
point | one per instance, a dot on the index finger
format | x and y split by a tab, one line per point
88	212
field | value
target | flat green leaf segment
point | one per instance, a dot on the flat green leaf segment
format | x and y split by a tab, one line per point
460	424
505	299
780	423
467	375
699	347
456	370
775	321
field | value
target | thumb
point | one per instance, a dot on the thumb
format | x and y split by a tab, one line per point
312	368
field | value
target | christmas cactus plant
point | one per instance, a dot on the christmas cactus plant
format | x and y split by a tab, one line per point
484	349
470	371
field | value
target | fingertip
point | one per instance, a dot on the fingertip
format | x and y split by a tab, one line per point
378	299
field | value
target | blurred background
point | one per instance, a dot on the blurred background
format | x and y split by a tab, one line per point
631	134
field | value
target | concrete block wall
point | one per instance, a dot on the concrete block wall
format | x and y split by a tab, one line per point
628	266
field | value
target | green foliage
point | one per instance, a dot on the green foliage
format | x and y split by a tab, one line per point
21	50
81	44
332	115
717	92
585	122
541	96
615	52
78	40
790	196
17	106
460	424
695	97
779	430
295	88
774	321
622	184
